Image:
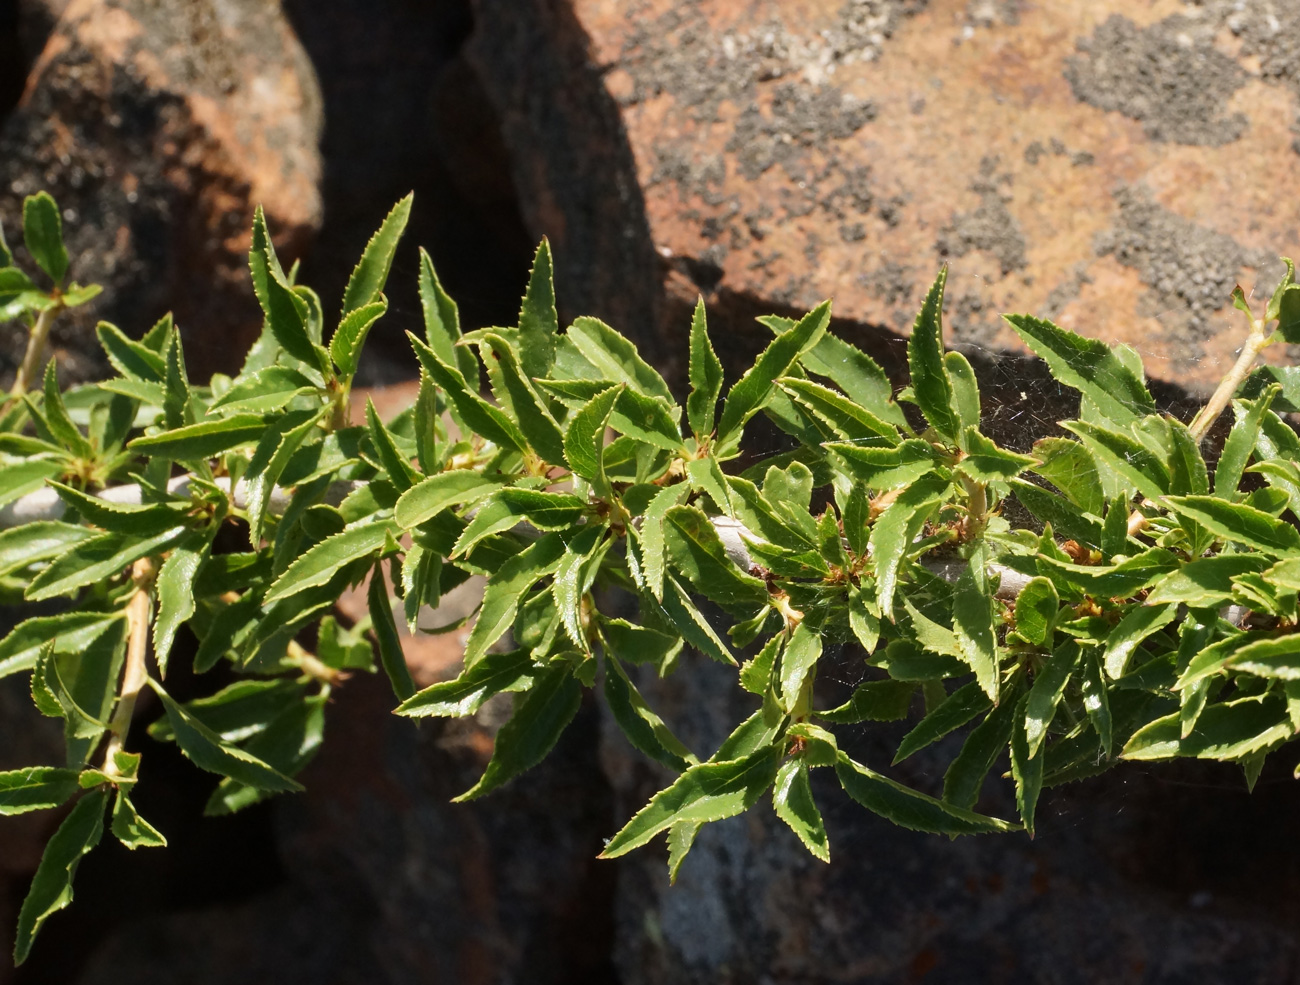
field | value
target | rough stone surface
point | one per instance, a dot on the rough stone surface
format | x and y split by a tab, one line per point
789	152
158	127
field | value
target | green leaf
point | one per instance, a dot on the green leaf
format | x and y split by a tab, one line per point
973	622
638	644
6	256
17	479
652	535
930	383
798	664
616	358
1063	515
848	419
207	439
398	466
793	800
37	541
507	507
1088	366
573	576
690	622
1205	582
70	632
1067	465
533	416
485	419
35	788
1239	522
1135	463
57	420
965	391
385	630
1239	444
175	589
895	530
1045	694
985	462
1138	623
955	711
1096	702
51	888
1288	313
506	588
1036	608
1223	731
524	741
96	560
277	445
287	315
680	839
886	467
539	325
854	372
438	492
131	359
494	674
318	565
141	520
1187	471
131	829
1213	659
584	438
1114	581
43	235
643	728
206	750
708	792
874	701
965	776
910	808
748	395
1277	659
705	373
264	392
1026	770
697	552
371	272
350	336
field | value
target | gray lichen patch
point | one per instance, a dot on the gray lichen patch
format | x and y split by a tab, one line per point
1190	269
801	116
1169	76
990	227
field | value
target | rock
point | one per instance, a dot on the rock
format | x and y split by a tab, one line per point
158	127
1115	169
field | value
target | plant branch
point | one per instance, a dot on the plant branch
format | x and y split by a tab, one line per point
1256	342
134	674
34	358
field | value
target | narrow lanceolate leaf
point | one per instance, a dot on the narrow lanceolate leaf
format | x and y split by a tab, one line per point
874	701
286	315
43	234
1138	623
798	663
705	375
708	792
1239	522
175	587
1096	702
965	391
544	712
264	392
573	577
384	626
539	325
276	446
1088	366
371	272
748	395
1137	465
848	419
973	623
350	336
35	788
1223	731
70	632
464	695
910	808
51	888
652	535
38	541
951	714
986	462
642	726
504	509
616	358
930	382
889	467
1027	770
506	588
131	829
533	416
1045	694
1240	443
137	520
318	565
96	560
485	419
584	438
1276	658
205	749
1067	465
1205	582
793	800
20	478
697	552
130	358
401	473
64	431
965	777
207	439
442	321
896	529
439	492
1065	517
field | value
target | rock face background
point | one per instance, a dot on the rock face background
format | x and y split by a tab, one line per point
1115	166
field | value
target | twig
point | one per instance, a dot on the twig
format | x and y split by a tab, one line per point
134	674
35	355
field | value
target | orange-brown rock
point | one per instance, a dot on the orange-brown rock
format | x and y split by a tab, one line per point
158	127
1115	166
